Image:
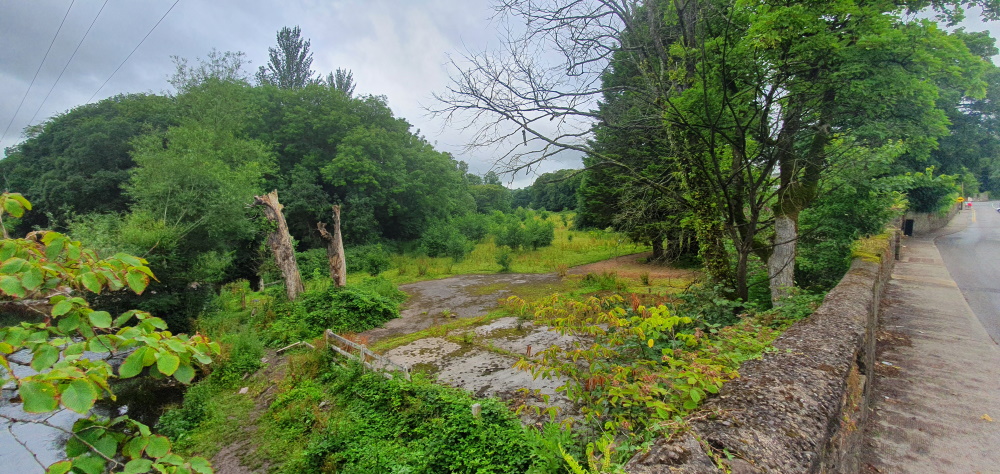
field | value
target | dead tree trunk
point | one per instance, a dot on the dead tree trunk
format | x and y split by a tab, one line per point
280	243
335	249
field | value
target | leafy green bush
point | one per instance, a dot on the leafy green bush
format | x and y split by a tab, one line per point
504	259
372	259
708	304
242	357
539	233
831	225
348	309
474	227
313	262
510	233
177	423
402	426
926	192
444	239
517	233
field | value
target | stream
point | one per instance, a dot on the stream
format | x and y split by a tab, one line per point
26	447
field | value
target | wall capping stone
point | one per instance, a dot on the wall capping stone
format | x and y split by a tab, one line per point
800	408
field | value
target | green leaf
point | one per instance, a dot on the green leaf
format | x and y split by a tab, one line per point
200	465
130	260
107	445
75	349
32	279
91	282
69	323
61	467
55	246
12	286
100	344
13	207
62	307
100	319
184	374
38	396
13	265
136	466
44	356
158	446
89	464
133	448
20	199
175	345
167	363
695	395
137	281
133	364
79	396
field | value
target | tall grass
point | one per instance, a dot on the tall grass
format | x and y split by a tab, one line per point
570	248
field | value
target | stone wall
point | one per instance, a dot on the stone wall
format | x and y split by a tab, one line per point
800	408
924	222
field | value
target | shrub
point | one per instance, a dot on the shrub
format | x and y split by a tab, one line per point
511	234
313	262
504	259
348	309
474	227
708	304
831	225
371	259
402	426
177	423
539	233
245	350
443	239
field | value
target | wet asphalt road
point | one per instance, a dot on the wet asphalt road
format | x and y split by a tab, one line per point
972	256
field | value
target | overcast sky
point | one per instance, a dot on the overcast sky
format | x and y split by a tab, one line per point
395	48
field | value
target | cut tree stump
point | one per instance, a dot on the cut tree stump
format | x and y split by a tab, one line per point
280	243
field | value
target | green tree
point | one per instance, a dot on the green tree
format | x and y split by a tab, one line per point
288	63
77	162
226	66
491	197
751	97
342	80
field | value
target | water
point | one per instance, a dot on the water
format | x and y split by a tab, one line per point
26	447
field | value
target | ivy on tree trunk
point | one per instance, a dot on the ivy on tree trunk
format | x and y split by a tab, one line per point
280	243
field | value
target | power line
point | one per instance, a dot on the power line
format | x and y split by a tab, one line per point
37	71
133	50
68	62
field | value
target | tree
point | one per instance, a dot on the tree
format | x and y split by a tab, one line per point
335	249
281	245
342	80
751	98
77	162
555	191
47	274
226	66
288	63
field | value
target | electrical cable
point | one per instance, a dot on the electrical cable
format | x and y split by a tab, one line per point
68	62
37	71
133	50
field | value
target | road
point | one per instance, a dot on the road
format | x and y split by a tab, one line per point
972	256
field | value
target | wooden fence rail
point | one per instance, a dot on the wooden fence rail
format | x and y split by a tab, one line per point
359	352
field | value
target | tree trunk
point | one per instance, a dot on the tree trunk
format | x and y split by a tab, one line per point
335	249
657	249
781	265
280	243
